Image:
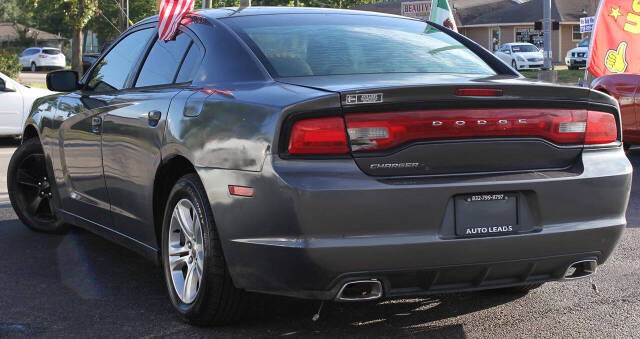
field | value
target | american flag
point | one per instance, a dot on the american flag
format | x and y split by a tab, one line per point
171	13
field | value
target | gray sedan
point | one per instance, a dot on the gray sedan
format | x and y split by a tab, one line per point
324	154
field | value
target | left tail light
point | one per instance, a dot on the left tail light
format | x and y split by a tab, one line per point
42	56
319	136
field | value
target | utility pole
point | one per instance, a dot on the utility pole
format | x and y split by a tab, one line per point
121	18
546	11
128	14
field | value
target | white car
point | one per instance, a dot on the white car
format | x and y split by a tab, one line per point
40	57
578	56
15	104
521	56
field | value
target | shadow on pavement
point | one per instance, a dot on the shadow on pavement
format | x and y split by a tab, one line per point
83	277
9	142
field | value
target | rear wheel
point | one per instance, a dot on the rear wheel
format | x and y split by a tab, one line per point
196	275
30	189
34	68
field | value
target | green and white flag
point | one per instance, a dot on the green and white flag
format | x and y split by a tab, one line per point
441	14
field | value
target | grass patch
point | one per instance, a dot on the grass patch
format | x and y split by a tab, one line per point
565	76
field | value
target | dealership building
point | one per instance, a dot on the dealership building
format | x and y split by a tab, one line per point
492	23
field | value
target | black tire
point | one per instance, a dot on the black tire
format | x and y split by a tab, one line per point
30	191
514	64
34	68
217	301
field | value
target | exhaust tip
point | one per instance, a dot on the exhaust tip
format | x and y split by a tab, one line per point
360	290
581	269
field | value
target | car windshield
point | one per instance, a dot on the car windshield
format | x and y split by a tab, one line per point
314	45
584	43
523	48
51	51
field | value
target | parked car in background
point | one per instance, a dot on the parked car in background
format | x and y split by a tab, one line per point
577	57
626	89
15	104
324	154
89	59
36	58
521	56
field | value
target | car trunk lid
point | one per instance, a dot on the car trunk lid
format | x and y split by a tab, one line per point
417	124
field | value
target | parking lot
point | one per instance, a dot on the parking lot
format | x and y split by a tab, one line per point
80	285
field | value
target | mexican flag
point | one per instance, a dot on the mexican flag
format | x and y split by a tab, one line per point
441	14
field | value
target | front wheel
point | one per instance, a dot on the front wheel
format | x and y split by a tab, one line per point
196	274
514	64
31	189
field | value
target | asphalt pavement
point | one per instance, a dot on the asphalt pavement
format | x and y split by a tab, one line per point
80	285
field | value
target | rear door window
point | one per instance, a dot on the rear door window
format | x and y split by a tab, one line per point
163	61
190	64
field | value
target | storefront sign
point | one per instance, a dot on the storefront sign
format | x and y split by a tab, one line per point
417	9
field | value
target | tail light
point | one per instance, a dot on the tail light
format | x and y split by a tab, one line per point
319	136
383	131
42	56
370	132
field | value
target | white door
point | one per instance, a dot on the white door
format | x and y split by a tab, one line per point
11	112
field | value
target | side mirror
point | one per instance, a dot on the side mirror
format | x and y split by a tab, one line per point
62	81
6	87
507	52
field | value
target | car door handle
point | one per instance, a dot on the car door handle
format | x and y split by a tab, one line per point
96	123
154	118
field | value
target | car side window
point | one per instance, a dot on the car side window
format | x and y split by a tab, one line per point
190	64
112	71
162	63
26	52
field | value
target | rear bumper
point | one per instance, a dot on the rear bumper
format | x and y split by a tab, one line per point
310	229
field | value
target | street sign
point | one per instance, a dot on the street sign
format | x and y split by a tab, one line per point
587	23
417	9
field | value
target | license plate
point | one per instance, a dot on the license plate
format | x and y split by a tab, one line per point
486	214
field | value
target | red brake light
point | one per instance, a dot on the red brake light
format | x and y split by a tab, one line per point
42	56
479	92
601	128
319	136
383	131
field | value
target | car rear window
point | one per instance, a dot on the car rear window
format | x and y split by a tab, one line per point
51	51
315	45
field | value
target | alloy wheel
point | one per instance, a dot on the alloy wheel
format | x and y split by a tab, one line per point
186	251
35	188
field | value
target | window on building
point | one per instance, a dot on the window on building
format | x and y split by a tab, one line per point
495	38
576	33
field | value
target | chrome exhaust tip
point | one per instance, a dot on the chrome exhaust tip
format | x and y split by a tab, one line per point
580	269
360	290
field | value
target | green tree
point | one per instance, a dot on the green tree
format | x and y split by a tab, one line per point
78	13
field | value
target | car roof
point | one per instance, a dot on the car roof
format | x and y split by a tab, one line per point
221	13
